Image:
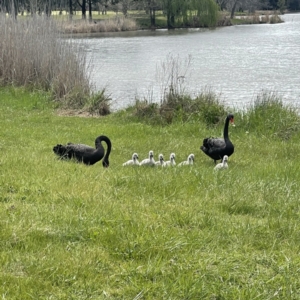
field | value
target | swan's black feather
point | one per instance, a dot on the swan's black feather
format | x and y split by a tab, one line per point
84	153
216	148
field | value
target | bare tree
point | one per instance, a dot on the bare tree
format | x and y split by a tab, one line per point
151	7
250	5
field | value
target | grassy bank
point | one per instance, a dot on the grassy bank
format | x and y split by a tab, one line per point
69	231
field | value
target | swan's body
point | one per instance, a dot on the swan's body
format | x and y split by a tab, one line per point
216	148
133	161
171	162
189	161
84	153
223	165
148	161
161	161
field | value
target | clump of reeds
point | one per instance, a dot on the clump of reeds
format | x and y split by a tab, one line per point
109	25
223	20
33	54
176	104
261	19
275	18
205	106
99	103
269	116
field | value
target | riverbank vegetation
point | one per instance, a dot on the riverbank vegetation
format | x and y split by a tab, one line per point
140	20
73	231
54	65
123	15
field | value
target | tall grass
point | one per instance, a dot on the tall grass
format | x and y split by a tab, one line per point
72	231
269	116
176	103
33	54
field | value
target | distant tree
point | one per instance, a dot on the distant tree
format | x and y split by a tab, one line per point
171	9
207	12
125	4
70	9
233	8
151	7
83	8
222	4
293	5
281	6
90	9
48	7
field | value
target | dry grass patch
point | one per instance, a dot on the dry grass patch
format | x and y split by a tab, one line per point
110	25
33	54
258	18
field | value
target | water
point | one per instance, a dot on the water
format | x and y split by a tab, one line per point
236	62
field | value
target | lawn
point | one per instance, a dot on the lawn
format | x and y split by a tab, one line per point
70	231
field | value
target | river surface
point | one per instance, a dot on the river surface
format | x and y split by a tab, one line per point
236	62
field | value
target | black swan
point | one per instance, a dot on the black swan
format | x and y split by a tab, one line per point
216	148
86	154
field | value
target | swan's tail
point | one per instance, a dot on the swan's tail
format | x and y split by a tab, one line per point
204	147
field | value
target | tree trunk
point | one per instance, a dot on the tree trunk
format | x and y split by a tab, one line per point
48	8
83	9
152	18
233	9
90	10
70	9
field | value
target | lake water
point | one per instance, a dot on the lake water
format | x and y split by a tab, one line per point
236	62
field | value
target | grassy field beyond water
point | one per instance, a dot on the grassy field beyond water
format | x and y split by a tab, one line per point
70	231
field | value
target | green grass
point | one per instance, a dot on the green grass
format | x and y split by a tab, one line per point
69	231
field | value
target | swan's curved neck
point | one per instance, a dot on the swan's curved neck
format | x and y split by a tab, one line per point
225	134
105	139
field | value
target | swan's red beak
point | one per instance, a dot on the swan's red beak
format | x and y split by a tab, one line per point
232	122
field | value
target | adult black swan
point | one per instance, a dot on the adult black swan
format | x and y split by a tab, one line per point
84	153
216	148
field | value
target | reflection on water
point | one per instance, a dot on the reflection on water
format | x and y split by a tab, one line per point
237	62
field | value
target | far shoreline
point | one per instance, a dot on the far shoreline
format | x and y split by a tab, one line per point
118	24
